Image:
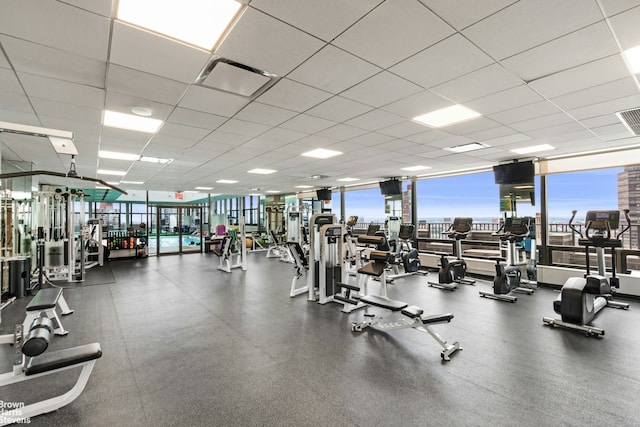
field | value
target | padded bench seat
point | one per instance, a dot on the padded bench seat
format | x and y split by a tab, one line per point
45	299
63	358
436	318
383	302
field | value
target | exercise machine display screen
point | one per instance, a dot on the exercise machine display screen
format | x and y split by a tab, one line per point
603	220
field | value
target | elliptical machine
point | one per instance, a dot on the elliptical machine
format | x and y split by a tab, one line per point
453	272
508	276
581	298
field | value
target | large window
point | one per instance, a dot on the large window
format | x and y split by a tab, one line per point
368	205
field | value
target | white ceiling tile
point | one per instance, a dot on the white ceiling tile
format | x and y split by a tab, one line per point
265	114
182	131
529	23
417	104
482	82
45	61
294	96
504	100
9	82
373	120
197	119
529	111
338	109
392	32
454	55
63	92
220	137
258	40
285	135
123	103
591	74
585	45
625	27
341	132
143	51
307	124
333	70
462	13
212	101
381	89
551	130
55	24
402	129
325	19
144	85
55	109
242	127
596	94
608	107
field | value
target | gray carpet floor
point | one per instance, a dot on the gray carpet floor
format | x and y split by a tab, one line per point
187	344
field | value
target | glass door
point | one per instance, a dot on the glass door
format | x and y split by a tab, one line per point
179	230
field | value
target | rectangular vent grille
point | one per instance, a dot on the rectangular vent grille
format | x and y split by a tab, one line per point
631	119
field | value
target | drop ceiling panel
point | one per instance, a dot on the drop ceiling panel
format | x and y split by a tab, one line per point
592	74
181	131
608	107
307	124
381	89
184	116
461	14
596	94
588	44
77	113
374	120
505	100
417	104
420	68
257	40
9	83
333	70
143	51
338	109
324	20
341	132
284	135
212	101
625	27
483	82
144	85
527	24
293	96
392	32
63	92
403	129
58	25
45	61
265	114
529	111
242	127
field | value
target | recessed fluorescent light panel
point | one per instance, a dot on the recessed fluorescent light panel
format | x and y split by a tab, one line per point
467	147
132	182
226	181
349	179
533	149
201	23
304	186
273	191
130	122
155	160
262	171
111	172
204	188
416	168
447	116
117	156
633	59
321	153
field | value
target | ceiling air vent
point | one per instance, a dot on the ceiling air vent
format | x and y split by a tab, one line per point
631	120
232	77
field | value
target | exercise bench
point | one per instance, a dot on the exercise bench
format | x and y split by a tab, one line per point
30	363
414	317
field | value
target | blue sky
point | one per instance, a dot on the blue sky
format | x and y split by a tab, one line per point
478	196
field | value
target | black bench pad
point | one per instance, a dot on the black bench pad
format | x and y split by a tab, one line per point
348	286
412	311
63	358
383	302
436	318
45	299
